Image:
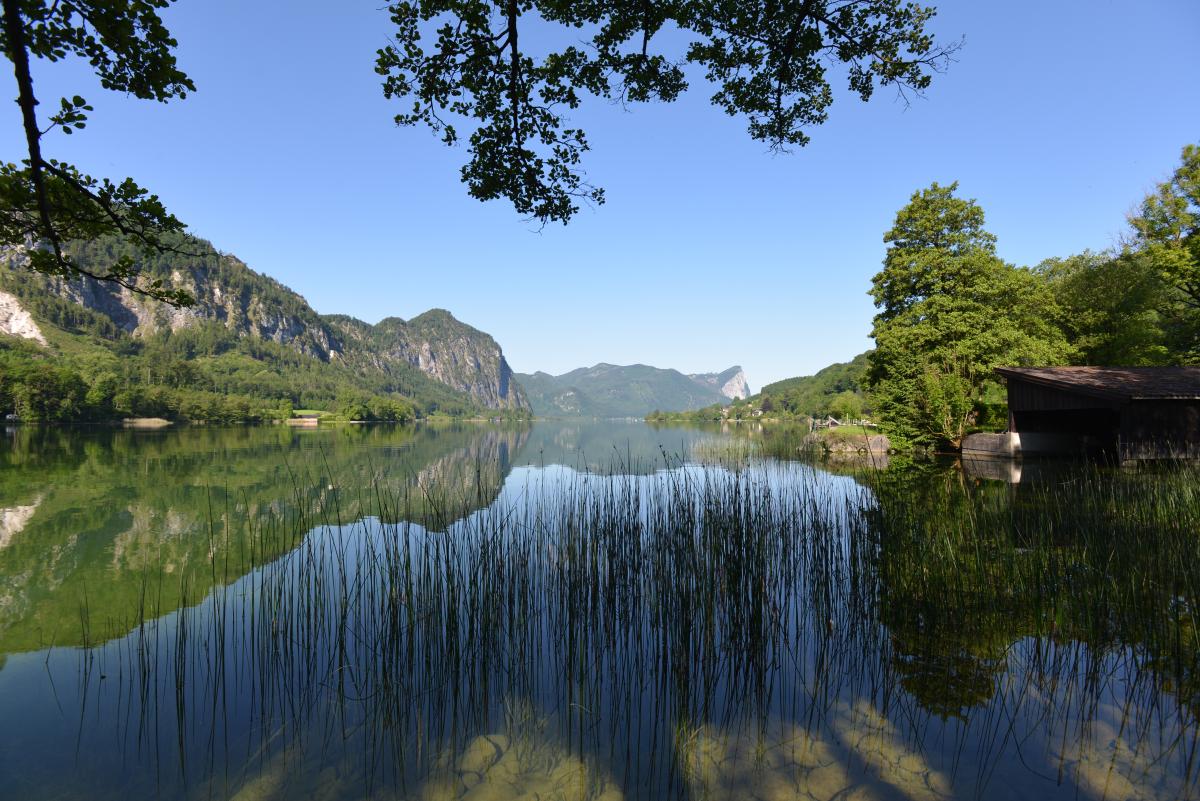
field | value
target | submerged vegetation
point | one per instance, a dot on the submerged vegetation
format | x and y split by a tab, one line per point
751	628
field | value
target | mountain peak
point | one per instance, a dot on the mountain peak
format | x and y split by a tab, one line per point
730	382
435	314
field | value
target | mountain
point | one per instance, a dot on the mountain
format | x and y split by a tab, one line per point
609	390
731	383
247	335
435	343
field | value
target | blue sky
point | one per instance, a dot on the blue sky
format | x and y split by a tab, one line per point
1057	117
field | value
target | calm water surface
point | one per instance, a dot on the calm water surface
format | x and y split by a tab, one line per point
584	611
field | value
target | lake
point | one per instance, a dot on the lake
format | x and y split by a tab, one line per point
586	610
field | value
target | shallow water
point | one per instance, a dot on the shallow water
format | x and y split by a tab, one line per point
576	611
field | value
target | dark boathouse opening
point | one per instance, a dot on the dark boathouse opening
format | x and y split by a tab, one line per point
1126	413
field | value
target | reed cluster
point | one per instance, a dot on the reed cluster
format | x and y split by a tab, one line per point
634	621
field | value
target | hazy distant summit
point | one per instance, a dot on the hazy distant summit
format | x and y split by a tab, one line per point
610	390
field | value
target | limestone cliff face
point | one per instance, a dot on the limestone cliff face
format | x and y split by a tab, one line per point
731	383
230	294
279	315
16	321
464	358
450	351
226	292
736	386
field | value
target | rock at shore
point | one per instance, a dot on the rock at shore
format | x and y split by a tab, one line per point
872	444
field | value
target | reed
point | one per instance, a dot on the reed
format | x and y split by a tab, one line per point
646	630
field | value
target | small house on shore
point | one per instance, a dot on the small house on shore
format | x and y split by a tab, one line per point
1127	413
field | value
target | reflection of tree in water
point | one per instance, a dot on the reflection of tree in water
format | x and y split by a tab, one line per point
771	633
941	664
966	569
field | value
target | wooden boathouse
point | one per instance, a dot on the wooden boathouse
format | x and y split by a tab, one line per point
1130	413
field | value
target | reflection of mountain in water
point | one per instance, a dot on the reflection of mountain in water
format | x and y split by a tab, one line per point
769	632
611	446
97	525
13	520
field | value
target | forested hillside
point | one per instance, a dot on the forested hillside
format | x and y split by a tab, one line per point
248	348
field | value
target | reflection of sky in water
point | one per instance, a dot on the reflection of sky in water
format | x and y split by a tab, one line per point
778	684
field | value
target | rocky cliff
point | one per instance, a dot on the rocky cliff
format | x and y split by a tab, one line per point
226	291
447	350
16	321
250	305
731	383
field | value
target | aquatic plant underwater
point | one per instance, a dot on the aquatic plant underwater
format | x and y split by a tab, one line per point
747	628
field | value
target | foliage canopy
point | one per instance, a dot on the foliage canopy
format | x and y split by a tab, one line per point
950	312
1167	237
48	202
471	60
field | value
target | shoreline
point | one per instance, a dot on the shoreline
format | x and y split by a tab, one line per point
161	423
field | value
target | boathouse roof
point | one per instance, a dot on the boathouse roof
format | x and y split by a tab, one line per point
1114	383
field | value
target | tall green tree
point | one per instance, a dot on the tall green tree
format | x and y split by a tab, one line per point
847	405
1110	307
937	245
455	62
951	311
49	202
1167	235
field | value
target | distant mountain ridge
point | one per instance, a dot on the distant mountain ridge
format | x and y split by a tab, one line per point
610	390
432	358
